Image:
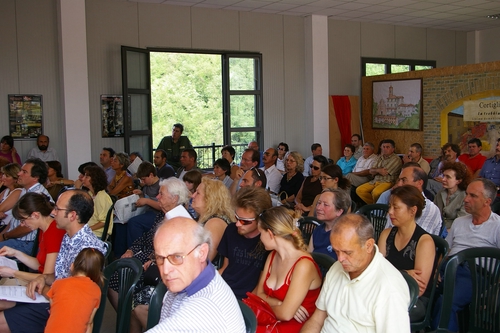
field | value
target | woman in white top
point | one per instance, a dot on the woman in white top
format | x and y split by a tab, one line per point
11	194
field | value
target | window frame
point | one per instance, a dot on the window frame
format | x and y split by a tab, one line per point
392	61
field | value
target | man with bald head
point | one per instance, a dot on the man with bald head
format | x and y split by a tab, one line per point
42	150
362	291
195	289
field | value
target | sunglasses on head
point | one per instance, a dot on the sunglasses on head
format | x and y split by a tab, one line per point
243	220
314	167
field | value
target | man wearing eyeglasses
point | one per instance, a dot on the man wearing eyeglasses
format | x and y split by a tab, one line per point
243	252
198	299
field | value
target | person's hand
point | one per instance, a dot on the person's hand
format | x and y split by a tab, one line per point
438	179
14	151
2	215
7	251
147	264
78	183
301	315
128	254
138	192
406	159
417	275
383	171
35	286
141	202
6	272
239	174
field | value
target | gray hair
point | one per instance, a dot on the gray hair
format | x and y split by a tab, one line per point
360	223
490	189
176	187
201	236
341	199
369	144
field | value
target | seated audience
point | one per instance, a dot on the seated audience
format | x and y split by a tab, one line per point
293	178
450	154
55	180
95	180
292	296
332	204
188	162
415	155
361	172
7	150
273	175
348	161
122	184
474	159
491	171
222	172
331	177
81	173
12	191
316	149
42	150
362	291
34	210
254	177
74	300
229	154
192	179
163	169
311	187
189	305
133	155
249	159
105	158
213	203
173	195
407	246
357	143
282	154
450	200
385	171
243	252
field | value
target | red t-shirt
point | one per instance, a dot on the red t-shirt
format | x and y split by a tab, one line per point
48	242
475	163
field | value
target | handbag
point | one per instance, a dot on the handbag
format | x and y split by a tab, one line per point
263	312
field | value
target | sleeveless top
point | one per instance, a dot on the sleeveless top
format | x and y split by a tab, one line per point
125	192
405	259
309	302
310	190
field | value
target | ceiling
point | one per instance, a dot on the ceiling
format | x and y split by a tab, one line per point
461	15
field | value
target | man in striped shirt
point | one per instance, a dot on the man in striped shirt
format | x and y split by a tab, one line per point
198	299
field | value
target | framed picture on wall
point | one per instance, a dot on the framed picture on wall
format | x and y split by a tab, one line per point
397	104
112	115
25	116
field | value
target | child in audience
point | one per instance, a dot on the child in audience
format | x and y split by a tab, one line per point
75	300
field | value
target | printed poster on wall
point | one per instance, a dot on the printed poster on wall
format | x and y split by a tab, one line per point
25	116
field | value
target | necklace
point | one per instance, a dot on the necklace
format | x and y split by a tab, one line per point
289	177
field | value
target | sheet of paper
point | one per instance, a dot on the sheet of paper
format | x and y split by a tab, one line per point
134	165
178	211
6	262
18	294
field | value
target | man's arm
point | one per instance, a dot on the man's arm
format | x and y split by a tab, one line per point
17	232
315	323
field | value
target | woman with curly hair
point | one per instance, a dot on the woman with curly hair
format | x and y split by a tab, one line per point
293	178
95	180
213	202
450	200
122	184
12	192
292	296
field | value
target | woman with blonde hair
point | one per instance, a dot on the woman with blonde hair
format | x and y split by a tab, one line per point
213	203
291	280
293	178
12	192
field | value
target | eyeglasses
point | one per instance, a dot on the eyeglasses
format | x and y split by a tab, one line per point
244	220
314	167
174	259
324	178
58	209
279	148
23	220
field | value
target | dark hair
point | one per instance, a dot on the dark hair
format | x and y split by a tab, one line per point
255	155
410	196
476	141
230	150
179	126
257	175
98	178
191	153
39	169
81	168
389	141
315	146
40	135
321	160
110	150
8	140
145	169
89	262
453	147
284	145
351	147
193	177
335	171
162	152
137	154
357	135
461	173
81	203
56	165
418	173
32	202
224	165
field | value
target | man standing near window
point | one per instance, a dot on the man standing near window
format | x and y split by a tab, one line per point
174	145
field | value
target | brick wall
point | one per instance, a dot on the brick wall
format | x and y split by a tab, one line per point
444	89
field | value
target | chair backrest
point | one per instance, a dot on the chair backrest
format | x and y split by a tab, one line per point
249	317
413	286
442	248
484	309
109	217
324	262
129	271
155	304
377	214
307	226
109	248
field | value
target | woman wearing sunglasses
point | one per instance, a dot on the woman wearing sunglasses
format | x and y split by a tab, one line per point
311	186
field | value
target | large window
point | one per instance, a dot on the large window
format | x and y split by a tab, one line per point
381	66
